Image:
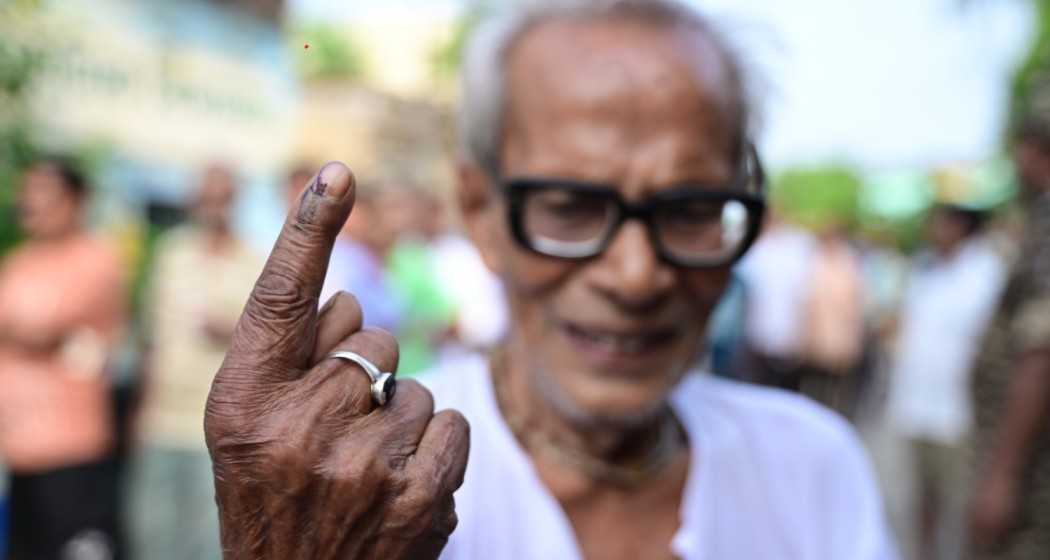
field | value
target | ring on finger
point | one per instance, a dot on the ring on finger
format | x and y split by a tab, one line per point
383	384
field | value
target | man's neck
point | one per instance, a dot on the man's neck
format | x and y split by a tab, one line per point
523	403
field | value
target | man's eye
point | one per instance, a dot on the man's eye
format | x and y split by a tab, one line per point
691	214
570	206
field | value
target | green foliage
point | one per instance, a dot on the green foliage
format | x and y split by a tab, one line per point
447	58
818	196
17	67
1033	76
332	53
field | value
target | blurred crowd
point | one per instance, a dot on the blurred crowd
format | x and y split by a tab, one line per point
939	355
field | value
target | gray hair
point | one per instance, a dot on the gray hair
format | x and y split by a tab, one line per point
483	102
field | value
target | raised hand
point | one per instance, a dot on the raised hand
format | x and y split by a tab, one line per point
306	465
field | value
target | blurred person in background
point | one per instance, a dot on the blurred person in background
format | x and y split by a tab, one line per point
775	275
201	276
951	292
359	264
416	218
833	332
613	211
884	273
478	303
1010	511
457	304
62	312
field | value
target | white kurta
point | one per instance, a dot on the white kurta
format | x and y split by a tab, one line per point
772	476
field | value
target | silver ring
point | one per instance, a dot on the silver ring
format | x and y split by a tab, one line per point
383	384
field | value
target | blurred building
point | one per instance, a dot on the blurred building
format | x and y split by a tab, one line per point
392	119
161	88
380	134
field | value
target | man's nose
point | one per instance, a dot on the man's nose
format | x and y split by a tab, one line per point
631	272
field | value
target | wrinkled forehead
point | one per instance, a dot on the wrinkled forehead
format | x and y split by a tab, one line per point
616	94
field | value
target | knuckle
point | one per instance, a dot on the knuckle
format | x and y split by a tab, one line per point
363	463
235	447
245	420
414	511
237	389
386	345
306	231
277	292
348	300
417	501
418	398
345	302
456	422
450	522
421	512
222	417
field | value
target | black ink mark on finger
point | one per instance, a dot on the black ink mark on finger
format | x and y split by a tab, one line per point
310	201
319	187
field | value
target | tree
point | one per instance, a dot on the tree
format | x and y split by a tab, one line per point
18	65
326	53
1031	87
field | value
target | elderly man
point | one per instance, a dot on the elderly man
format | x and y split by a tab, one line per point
609	182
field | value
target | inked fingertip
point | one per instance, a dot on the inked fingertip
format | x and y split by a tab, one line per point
334	181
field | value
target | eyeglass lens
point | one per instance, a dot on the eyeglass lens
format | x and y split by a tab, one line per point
574	224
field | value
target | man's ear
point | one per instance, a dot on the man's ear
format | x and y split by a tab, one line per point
480	211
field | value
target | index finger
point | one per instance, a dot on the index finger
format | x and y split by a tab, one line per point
276	331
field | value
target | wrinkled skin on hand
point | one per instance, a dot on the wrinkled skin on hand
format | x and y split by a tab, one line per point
305	465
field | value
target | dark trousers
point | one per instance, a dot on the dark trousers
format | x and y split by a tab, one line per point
65	514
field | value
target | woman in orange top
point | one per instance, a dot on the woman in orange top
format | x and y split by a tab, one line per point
61	310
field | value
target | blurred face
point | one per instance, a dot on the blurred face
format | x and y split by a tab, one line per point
1033	166
215	199
47	208
643	109
945	231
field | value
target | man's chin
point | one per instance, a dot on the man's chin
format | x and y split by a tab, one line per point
608	402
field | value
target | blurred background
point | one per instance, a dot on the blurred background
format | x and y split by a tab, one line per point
189	125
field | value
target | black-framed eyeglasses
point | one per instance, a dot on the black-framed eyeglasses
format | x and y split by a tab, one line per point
691	225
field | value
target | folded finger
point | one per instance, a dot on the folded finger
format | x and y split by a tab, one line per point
441	456
345	382
339	318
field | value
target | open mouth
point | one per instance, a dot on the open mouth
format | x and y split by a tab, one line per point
620	345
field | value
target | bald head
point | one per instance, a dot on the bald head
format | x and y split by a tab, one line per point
641	45
629	85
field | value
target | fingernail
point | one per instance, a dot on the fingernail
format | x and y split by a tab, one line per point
333	181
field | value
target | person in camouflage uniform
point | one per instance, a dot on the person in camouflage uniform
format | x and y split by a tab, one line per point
1010	511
